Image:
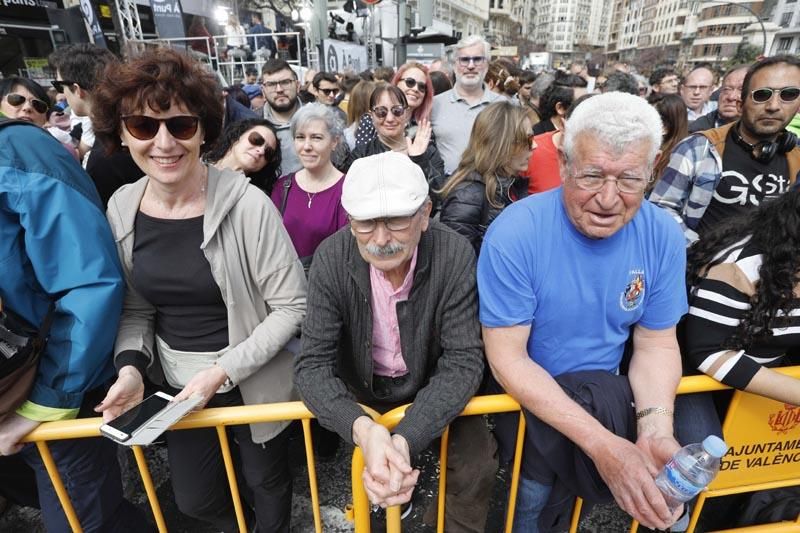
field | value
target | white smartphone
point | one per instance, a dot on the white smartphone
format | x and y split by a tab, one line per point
122	428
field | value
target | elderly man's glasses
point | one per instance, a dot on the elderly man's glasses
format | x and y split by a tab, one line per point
382	112
626	185
16	100
391	223
764	94
285	84
144	128
411	83
464	61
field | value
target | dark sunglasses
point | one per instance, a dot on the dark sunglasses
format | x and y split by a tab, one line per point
255	139
182	127
59	85
329	92
411	82
17	100
764	94
382	112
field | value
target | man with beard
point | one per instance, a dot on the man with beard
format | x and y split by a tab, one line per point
727	171
280	86
730	94
454	111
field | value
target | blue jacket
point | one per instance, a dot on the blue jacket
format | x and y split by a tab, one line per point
56	245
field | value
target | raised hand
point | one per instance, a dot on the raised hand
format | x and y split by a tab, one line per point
420	142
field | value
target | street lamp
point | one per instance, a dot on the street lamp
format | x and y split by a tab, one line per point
749	10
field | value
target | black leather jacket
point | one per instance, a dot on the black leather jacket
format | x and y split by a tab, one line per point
467	210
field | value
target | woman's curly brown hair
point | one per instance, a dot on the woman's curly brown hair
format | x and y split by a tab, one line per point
157	79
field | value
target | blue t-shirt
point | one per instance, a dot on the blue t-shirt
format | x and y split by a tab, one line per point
580	295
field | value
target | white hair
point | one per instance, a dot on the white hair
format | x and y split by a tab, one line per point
472	40
616	119
317	111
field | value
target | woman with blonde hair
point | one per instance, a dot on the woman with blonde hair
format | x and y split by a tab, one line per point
488	177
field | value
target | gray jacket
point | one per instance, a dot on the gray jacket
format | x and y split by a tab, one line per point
262	283
439	334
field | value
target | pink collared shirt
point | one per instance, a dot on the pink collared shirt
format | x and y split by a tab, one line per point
387	353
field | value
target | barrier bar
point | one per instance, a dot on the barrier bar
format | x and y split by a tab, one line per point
149	488
442	480
312	474
58	485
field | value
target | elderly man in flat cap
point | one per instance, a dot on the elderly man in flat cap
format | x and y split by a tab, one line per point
393	319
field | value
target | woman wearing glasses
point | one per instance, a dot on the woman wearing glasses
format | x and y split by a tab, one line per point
24	99
309	200
488	177
214	288
390	116
413	79
251	147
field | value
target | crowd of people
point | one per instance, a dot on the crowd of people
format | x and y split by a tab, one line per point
412	236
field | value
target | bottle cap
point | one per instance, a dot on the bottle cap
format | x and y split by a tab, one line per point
715	446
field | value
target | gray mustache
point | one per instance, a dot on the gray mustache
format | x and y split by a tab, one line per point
383	251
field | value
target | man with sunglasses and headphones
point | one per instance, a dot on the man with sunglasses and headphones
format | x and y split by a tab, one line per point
725	172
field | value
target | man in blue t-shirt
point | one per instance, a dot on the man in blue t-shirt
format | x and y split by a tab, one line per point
564	278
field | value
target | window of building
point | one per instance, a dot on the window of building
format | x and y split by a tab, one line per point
785	44
786	19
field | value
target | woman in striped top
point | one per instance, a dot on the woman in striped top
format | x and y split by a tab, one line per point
744	315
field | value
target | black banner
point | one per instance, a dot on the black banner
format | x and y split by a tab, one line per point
168	17
93	22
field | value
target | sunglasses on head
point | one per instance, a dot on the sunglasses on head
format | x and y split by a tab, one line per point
764	94
382	112
329	92
182	127
59	85
411	82
16	100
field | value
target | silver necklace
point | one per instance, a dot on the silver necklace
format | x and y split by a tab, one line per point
310	197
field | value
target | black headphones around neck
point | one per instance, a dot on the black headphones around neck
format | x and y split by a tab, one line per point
763	152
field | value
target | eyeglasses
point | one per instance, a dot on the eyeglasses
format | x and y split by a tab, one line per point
411	82
182	127
329	92
256	139
697	88
285	84
464	61
764	94
625	185
382	112
391	223
16	100
729	89
59	85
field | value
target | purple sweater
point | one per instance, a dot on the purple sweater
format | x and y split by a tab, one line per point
310	218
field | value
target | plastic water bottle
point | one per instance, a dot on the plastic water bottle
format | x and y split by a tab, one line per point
690	470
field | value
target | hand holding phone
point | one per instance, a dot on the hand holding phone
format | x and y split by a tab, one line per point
126	392
143	423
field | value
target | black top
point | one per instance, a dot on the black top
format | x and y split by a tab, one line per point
543	126
110	172
171	272
744	184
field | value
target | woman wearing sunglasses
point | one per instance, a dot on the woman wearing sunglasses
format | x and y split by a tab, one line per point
251	147
214	288
488	177
309	200
24	99
390	116
413	79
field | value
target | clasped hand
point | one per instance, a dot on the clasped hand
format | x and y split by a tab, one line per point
388	476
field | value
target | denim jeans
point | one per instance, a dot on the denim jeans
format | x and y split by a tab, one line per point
531	499
696	418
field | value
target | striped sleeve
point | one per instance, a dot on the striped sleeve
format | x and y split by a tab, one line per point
716	309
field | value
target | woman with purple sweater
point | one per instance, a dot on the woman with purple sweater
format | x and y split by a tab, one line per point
309	200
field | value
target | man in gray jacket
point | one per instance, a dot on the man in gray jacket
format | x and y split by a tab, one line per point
392	319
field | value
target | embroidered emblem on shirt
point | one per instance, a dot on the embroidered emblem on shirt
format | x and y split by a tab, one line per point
631	297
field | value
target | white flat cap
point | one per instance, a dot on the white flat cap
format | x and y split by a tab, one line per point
384	185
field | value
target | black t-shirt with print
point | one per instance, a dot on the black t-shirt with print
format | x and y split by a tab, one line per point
745	183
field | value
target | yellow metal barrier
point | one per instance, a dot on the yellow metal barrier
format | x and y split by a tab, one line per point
218	418
501	403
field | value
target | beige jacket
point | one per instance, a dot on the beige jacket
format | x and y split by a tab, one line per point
262	283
